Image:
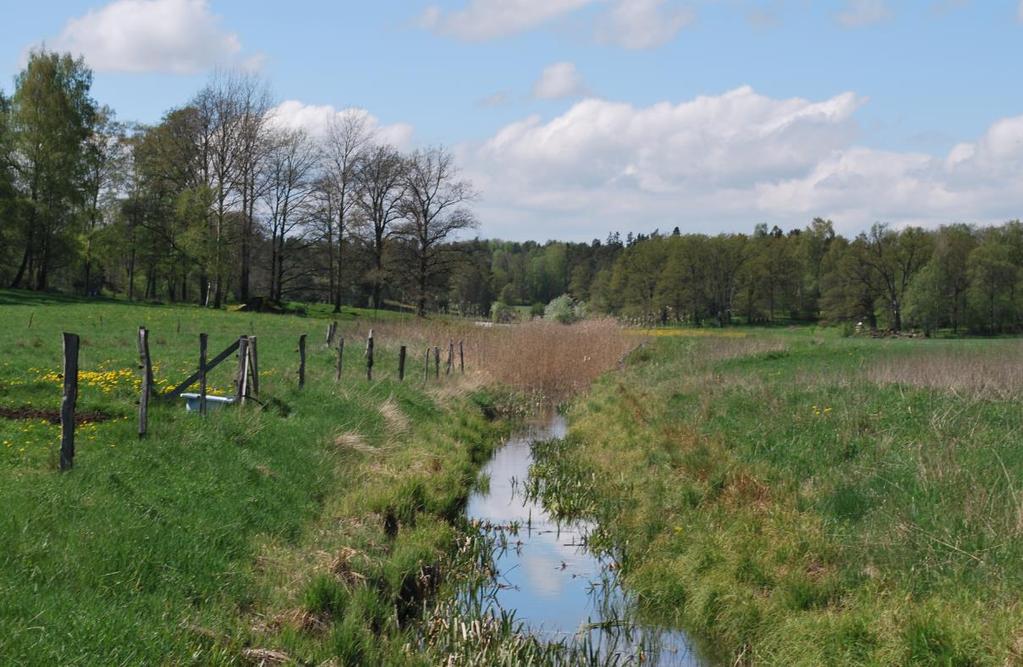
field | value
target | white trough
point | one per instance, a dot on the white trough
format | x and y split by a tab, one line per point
212	402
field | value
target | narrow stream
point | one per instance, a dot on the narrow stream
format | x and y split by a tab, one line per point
551	580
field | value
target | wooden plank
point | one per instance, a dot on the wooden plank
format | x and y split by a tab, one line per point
192	379
146	364
254	365
68	401
241	381
203	368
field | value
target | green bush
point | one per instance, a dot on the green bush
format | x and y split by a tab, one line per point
501	312
561	309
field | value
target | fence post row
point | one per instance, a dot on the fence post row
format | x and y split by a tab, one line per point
203	340
301	361
369	355
146	364
68	401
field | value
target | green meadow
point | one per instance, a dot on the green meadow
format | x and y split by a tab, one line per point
793	497
310	528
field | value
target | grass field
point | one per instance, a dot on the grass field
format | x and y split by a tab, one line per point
799	498
215	541
314	530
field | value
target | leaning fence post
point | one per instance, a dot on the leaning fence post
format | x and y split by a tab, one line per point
401	363
147	381
461	356
254	365
369	355
436	361
241	382
203	339
301	361
68	401
340	358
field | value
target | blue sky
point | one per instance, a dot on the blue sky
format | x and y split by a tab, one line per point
713	115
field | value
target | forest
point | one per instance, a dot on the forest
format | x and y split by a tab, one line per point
220	203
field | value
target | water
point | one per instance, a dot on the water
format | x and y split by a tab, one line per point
550	579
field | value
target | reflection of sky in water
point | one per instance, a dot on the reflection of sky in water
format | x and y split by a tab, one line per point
548	576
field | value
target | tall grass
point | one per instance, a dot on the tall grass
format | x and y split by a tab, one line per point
993	371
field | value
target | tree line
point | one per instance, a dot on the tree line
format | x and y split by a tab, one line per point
220	202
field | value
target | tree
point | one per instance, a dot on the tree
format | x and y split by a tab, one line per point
888	260
381	186
52	116
434	209
290	171
993	285
348	139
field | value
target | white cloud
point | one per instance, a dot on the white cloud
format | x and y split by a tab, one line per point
177	36
643	24
726	162
559	81
860	13
316	120
488	19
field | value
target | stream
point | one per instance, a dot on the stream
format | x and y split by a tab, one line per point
548	577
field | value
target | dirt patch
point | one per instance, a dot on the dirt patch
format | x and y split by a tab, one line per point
25	412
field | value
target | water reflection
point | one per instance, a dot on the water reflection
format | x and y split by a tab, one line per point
548	577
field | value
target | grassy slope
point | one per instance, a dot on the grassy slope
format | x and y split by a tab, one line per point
786	509
216	535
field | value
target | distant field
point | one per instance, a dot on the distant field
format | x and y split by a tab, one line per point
795	497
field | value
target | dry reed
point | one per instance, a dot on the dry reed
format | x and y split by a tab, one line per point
539	357
992	373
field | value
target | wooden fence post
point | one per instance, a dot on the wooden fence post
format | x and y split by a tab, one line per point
401	363
331	332
68	401
203	340
340	358
369	355
451	357
254	365
301	361
426	369
461	356
146	364
436	361
241	378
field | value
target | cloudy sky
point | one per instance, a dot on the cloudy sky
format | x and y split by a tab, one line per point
577	117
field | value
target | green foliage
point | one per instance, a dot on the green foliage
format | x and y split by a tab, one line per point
502	313
561	310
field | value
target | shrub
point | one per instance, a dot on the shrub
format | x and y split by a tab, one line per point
536	310
561	309
501	312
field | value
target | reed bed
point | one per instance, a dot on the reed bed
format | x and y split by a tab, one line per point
546	359
994	372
